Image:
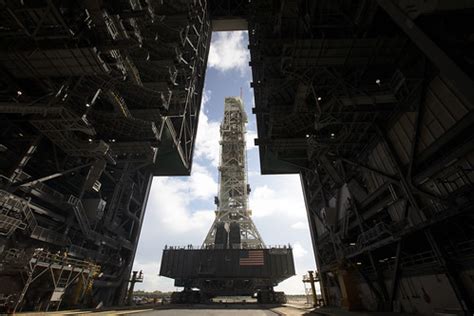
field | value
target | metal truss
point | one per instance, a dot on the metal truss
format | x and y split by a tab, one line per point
232	202
97	100
61	272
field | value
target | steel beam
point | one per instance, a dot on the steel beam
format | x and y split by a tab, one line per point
30	182
395	275
462	294
459	80
458	287
391	178
314	237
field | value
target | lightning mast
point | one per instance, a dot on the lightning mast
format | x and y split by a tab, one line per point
233	226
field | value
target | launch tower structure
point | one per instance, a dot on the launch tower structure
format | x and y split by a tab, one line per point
233	226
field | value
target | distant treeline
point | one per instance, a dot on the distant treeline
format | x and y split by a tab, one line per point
167	294
152	294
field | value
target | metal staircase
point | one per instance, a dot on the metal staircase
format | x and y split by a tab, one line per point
81	217
14	213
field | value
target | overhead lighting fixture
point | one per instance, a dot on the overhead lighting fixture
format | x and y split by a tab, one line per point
332	134
377	81
319	98
113	140
352	244
88	105
307	135
359	263
19	92
90	140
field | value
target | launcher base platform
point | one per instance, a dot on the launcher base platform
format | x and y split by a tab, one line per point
228	272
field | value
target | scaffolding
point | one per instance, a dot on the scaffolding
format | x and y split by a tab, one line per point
311	295
61	272
99	98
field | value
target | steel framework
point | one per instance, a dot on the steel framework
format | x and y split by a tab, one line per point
232	202
96	97
370	103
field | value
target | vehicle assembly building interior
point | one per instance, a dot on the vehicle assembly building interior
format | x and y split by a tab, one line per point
370	102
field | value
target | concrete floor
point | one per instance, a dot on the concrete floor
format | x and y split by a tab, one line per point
208	312
199	310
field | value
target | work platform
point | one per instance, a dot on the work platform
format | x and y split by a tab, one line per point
227	271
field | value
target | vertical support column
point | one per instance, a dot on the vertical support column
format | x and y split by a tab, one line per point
122	289
314	240
382	296
396	275
132	281
313	288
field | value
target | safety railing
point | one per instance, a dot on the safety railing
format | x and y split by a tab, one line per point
62	259
201	247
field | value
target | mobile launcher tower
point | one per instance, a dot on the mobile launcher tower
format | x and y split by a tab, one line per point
233	260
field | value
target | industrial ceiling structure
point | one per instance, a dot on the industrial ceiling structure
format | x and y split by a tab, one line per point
96	98
371	102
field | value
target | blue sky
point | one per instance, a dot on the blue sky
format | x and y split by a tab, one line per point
180	210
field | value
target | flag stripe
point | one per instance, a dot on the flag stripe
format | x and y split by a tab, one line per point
252	258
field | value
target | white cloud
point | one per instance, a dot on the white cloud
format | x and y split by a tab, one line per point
207	137
206	97
299	225
228	52
298	250
202	184
170	203
283	198
253	173
151	280
293	285
250	139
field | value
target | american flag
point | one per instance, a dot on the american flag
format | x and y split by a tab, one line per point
251	258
